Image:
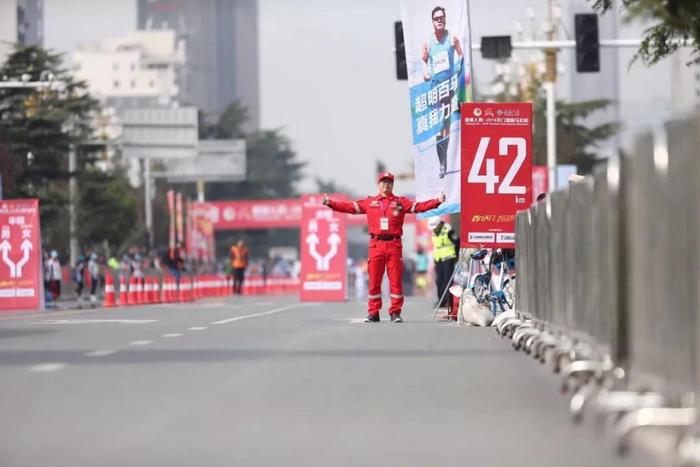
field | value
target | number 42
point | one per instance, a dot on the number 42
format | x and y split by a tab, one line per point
490	178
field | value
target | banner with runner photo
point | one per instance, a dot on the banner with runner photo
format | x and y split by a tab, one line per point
436	36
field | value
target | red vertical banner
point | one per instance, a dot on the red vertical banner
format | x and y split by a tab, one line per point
496	171
178	218
21	287
171	223
323	252
540	181
188	229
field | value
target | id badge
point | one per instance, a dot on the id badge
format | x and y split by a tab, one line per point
384	223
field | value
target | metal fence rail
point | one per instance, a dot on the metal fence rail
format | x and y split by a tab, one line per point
609	288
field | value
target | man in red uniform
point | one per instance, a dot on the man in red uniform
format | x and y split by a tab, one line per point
385	214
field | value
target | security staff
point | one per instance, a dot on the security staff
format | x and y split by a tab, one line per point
445	243
239	263
385	214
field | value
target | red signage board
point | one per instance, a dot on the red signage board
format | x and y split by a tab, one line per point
496	171
251	214
540	177
323	252
21	286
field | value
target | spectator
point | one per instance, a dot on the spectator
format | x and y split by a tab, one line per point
94	272
54	275
78	276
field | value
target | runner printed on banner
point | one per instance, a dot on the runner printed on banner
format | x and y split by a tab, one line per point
436	36
21	286
496	171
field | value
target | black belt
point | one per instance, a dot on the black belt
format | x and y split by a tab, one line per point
385	237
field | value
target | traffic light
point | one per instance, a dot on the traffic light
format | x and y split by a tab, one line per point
498	47
587	45
401	70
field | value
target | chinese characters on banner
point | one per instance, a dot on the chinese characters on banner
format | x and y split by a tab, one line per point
21	286
496	171
439	79
323	252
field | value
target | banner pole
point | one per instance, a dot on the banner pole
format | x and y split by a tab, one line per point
471	58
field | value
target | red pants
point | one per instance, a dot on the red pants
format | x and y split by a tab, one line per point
384	255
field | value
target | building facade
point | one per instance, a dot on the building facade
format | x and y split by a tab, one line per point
221	50
138	70
21	21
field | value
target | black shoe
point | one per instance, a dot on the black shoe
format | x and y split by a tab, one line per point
372	319
396	318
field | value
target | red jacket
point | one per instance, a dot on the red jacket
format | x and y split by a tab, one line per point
392	207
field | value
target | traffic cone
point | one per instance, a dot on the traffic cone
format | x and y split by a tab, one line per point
139	291
166	289
155	294
109	300
123	292
147	290
131	298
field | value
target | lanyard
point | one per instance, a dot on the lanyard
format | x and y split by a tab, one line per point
381	205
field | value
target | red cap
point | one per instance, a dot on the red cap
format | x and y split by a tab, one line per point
382	175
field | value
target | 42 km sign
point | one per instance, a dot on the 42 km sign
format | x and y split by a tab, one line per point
496	171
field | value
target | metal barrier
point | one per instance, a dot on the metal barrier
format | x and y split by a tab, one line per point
608	290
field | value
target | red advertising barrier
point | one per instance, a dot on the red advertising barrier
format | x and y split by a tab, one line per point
496	171
323	252
21	286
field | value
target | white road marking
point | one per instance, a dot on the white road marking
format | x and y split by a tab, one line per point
172	335
265	313
98	321
357	321
47	367
135	343
197	328
100	353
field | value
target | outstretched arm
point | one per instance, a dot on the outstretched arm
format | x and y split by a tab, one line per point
350	207
422	206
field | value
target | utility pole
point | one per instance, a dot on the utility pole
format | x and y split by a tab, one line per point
147	199
73	199
549	84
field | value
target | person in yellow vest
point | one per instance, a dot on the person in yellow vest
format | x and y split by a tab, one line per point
239	263
445	247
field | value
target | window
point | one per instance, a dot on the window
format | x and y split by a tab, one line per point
151	84
132	67
115	84
133	84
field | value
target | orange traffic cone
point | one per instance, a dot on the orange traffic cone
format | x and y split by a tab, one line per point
147	288
155	292
131	298
109	300
123	292
139	291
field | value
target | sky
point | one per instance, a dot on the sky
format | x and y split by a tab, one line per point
328	78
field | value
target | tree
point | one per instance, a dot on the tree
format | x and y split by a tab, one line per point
273	172
675	21
37	129
108	208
